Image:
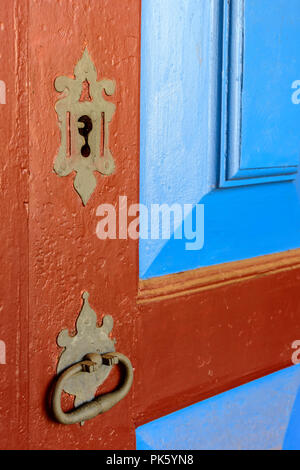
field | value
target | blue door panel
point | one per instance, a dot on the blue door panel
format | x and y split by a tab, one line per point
263	414
239	223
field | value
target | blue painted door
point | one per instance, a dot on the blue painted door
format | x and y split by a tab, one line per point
220	95
219	126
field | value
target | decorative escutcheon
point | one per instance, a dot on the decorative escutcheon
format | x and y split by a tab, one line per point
84	116
84	365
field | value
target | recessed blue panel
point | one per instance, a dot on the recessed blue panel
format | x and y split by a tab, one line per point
270	120
258	94
263	414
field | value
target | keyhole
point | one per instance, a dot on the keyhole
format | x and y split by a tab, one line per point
84	131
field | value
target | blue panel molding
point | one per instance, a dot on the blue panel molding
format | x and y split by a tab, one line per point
258	116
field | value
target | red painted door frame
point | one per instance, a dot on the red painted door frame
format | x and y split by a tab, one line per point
50	246
188	336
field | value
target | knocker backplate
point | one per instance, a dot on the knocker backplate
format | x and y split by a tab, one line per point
89	338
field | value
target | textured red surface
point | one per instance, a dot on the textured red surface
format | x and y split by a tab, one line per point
196	346
65	257
14	227
184	348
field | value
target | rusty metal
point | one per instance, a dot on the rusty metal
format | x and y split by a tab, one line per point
99	404
89	338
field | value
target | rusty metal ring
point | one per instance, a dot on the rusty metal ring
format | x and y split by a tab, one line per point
100	404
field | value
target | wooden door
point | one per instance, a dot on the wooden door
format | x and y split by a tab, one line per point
219	114
214	320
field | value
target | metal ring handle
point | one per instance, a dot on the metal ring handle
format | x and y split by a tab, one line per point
100	404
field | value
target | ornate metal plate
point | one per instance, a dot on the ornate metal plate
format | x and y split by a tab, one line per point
89	339
84	116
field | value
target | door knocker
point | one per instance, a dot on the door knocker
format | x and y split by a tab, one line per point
84	365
